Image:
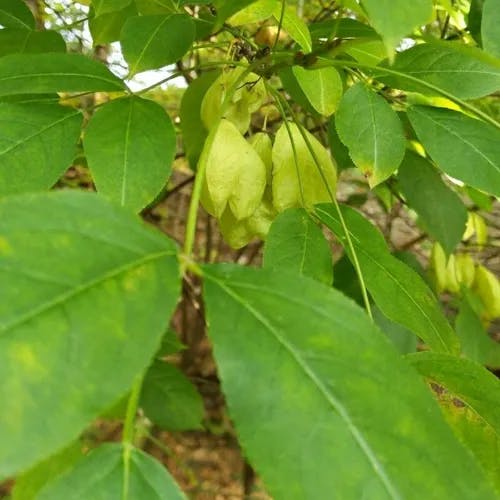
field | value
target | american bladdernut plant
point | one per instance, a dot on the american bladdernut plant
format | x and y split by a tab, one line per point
356	361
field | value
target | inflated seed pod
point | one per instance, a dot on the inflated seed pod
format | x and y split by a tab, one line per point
487	287
465	269
246	98
297	180
437	264
234	172
238	233
262	143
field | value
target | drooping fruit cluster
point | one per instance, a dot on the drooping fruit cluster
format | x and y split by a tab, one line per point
248	181
457	271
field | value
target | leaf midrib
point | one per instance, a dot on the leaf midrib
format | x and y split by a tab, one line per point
77	290
125	154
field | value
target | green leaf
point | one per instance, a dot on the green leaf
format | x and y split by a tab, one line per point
107	28
227	8
170	344
394	19
151	7
28	485
399	292
14	41
294	26
297	244
402	338
346	279
477	345
45	73
106	6
464	72
170	400
321	401
341	28
254	13
193	130
372	131
466	149
480	199
130	146
337	148
16	14
370	52
490	27
474	19
440	210
150	42
102	475
37	144
88	296
323	87
469	396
